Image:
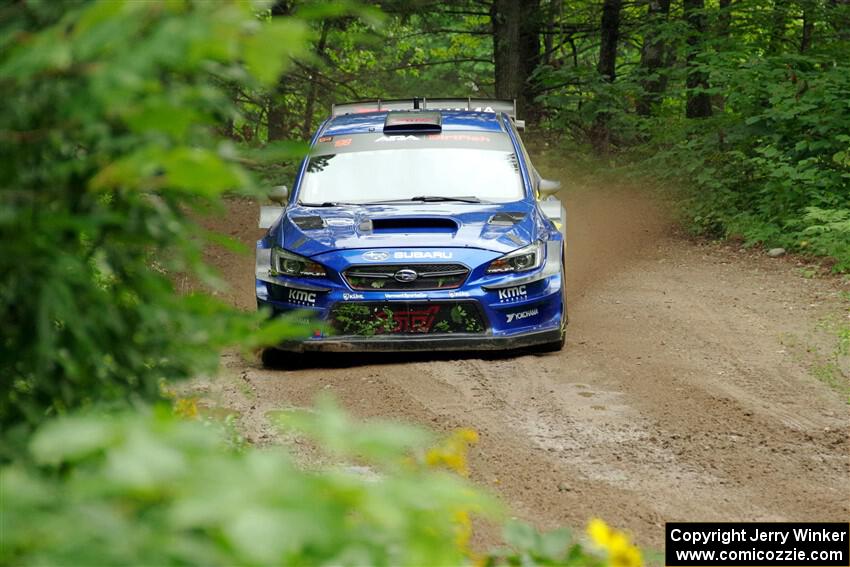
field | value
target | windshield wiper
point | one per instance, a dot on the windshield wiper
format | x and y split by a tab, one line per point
326	204
431	199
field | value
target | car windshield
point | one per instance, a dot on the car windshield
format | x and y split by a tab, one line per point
397	174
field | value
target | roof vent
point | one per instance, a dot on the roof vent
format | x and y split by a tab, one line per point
421	121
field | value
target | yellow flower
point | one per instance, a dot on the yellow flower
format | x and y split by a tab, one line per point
186	408
470	436
463	530
451	453
442	457
619	550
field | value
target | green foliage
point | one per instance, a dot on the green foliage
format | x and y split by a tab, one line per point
829	232
771	164
366	54
155	490
109	148
148	488
467	323
578	97
530	547
764	168
356	319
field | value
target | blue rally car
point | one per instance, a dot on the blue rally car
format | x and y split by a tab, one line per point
417	225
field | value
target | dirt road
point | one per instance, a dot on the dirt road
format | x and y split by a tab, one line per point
687	390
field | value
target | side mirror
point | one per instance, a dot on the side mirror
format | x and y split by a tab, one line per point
548	187
279	195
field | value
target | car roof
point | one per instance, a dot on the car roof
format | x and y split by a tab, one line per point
455	120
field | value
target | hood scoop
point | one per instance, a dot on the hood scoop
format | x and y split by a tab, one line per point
506	219
309	223
415	224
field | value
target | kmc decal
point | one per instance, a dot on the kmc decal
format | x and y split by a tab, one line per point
303	297
522	315
513	293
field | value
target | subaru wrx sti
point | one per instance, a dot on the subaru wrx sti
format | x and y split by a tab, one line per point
417	225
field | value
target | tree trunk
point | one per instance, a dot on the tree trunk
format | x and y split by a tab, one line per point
505	17
724	19
777	30
698	103
724	28
312	90
610	33
516	49
808	29
549	38
652	58
810	16
600	136
276	116
839	16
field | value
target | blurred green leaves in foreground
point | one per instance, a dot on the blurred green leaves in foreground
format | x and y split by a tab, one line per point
149	488
156	490
109	140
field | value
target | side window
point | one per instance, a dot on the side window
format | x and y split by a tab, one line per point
535	177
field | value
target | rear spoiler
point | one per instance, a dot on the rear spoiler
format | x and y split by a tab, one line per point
468	104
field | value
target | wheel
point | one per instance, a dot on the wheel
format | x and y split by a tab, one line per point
272	358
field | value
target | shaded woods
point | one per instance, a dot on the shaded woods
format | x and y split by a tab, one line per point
742	104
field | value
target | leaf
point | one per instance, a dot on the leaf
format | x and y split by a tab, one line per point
269	51
70	439
197	169
520	536
144	462
155	114
275	151
378	441
554	544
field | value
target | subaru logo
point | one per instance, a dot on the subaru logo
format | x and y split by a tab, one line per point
375	256
406	275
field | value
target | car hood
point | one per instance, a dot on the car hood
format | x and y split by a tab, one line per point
503	227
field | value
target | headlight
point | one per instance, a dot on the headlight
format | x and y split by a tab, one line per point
288	264
522	260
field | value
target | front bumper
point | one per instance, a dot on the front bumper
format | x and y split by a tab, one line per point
411	343
510	312
503	320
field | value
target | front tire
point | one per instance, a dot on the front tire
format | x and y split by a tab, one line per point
272	359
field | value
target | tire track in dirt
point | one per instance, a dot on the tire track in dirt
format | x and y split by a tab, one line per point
675	398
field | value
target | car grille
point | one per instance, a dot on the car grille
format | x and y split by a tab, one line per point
391	276
406	318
